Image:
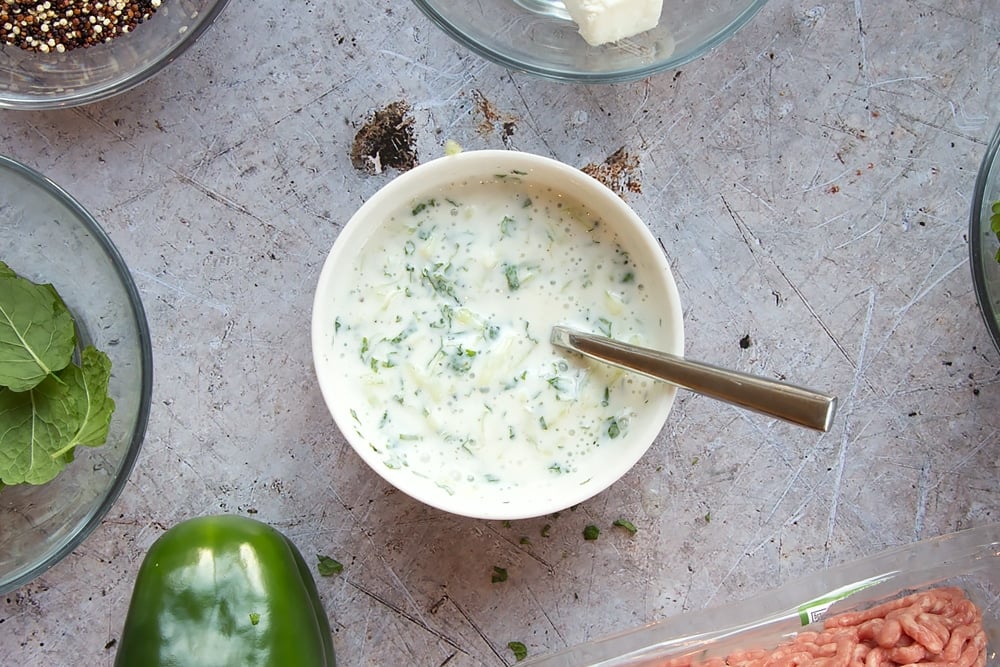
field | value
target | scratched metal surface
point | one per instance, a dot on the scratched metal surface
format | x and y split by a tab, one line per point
810	182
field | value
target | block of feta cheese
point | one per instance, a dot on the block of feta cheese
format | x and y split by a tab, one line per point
603	21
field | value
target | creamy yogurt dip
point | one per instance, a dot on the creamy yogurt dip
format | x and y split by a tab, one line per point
443	327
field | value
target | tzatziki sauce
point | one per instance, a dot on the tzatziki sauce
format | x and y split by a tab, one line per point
442	327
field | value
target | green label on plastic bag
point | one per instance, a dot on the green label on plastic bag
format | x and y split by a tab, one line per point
816	609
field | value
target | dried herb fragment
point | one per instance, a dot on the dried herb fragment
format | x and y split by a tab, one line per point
591	532
505	125
499	575
385	140
619	172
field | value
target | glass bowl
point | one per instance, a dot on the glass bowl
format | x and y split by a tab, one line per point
431	326
32	80
47	237
538	37
983	243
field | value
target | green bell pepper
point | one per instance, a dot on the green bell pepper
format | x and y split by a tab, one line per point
225	591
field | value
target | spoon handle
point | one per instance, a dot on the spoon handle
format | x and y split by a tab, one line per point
777	399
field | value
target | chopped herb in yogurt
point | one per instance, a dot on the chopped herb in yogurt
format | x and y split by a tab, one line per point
445	326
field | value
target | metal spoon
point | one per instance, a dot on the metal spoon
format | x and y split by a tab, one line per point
777	399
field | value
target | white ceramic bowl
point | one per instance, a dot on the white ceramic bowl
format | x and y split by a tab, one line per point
431	325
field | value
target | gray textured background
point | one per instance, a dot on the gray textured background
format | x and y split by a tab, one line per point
810	181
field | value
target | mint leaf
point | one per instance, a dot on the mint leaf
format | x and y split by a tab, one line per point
48	405
93	390
37	335
40	427
35	425
90	389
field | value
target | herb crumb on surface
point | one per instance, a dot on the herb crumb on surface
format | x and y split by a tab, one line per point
591	532
519	650
327	566
386	140
627	525
505	125
499	575
618	172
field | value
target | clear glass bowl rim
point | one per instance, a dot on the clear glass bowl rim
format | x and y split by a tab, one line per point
979	255
566	76
106	89
146	357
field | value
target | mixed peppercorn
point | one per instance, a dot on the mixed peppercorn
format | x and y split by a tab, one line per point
61	25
